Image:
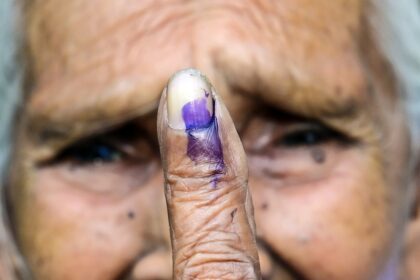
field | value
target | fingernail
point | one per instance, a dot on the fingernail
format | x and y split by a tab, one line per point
189	100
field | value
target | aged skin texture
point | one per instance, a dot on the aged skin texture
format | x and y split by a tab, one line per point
313	101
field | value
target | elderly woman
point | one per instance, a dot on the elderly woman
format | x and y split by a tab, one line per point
309	107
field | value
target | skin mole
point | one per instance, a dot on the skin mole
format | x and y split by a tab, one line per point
264	206
318	155
338	91
41	261
131	215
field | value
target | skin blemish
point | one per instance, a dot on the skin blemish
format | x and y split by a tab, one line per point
338	91
42	261
131	215
318	155
264	206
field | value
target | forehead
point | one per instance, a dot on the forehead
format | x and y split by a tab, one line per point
109	59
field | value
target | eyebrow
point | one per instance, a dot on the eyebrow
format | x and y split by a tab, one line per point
339	90
307	100
51	121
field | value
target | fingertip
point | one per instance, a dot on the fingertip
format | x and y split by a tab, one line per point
189	102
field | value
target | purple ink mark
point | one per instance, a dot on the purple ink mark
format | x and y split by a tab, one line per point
196	115
204	145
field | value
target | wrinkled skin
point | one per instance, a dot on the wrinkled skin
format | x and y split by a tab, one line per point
314	103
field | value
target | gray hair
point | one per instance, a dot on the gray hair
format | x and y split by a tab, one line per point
396	24
11	82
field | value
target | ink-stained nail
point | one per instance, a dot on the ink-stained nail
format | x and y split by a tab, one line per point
189	100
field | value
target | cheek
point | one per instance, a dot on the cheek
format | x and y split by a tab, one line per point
340	227
68	233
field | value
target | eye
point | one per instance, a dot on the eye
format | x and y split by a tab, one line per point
91	152
111	163
309	136
128	144
288	150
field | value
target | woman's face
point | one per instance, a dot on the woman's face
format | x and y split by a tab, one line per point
312	99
